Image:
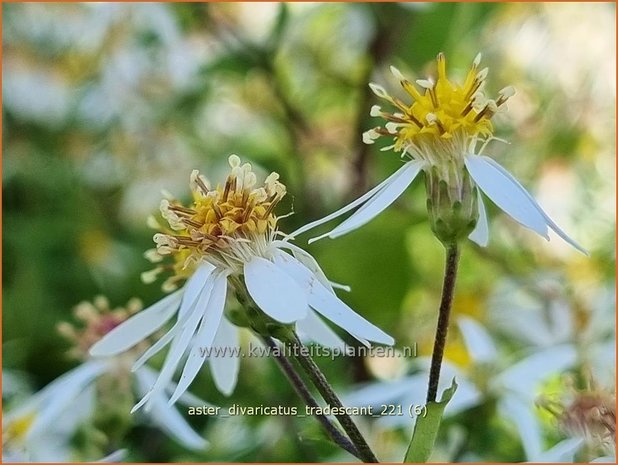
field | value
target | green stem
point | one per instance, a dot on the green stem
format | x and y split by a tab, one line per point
319	380
303	391
448	287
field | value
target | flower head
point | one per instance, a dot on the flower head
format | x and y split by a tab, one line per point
440	110
96	319
438	134
222	223
32	420
228	238
587	413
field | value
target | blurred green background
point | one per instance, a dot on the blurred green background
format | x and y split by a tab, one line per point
106	104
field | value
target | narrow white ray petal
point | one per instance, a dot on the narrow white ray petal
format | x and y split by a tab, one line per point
506	193
174	330
118	456
480	235
378	202
138	327
225	360
204	336
306	259
156	347
146	397
548	220
343	287
564	452
313	328
180	343
339	313
193	287
276	293
61	395
479	343
168	419
37	401
188	399
146	377
526	375
352	205
328	304
521	414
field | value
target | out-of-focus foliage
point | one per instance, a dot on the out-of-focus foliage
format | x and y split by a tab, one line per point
105	105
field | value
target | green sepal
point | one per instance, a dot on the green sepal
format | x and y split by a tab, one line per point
427	427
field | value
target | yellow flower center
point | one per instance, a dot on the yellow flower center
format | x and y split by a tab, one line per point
17	429
217	221
441	110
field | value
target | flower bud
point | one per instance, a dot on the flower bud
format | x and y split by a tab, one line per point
451	203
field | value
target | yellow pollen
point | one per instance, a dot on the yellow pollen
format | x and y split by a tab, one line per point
441	109
217	217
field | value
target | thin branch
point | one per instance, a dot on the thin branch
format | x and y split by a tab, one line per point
303	391
327	392
448	288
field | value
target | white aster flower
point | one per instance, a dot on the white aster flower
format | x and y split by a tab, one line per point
226	239
438	133
41	428
515	386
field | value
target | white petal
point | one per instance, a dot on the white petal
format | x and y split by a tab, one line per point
117	456
313	328
478	342
275	292
205	335
564	452
338	312
146	377
224	362
480	235
506	193
63	392
179	346
168	419
525	376
521	414
193	288
138	327
378	202
157	346
306	259
352	205
183	316
328	304
548	220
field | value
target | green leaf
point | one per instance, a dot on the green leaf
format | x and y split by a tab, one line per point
426	428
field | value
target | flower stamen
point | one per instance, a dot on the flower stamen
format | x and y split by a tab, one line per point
221	224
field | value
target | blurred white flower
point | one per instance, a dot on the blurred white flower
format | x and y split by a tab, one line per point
514	386
542	313
41	427
228	236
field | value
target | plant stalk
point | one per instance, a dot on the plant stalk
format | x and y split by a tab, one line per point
303	391
327	392
448	287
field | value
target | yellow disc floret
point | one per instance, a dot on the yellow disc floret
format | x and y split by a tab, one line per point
219	224
440	110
